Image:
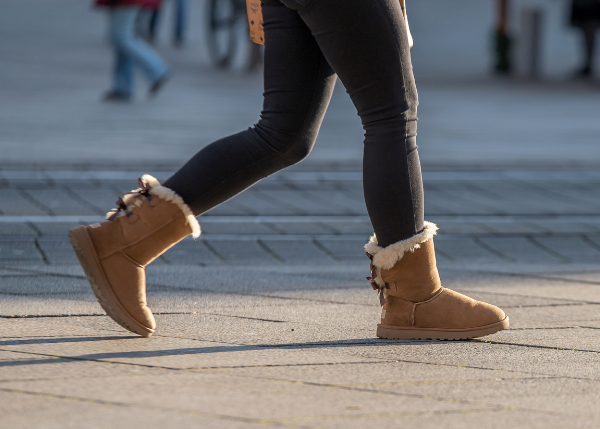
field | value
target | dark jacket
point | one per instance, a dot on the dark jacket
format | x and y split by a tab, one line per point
585	13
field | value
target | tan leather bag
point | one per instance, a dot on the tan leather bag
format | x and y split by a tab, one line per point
255	20
257	32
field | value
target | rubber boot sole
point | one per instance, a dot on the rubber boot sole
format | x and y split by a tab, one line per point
86	253
394	333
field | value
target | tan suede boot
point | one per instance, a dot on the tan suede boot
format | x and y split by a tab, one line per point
415	304
113	254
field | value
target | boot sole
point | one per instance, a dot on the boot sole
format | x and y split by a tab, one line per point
86	253
394	333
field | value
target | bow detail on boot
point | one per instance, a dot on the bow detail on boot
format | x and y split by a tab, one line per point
372	278
122	207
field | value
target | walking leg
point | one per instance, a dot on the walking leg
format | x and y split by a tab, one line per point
298	83
367	44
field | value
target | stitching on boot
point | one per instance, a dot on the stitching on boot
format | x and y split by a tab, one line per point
437	294
131	259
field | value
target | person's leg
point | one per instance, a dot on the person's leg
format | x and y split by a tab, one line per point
123	74
180	17
122	86
298	83
366	44
135	48
589	35
113	254
153	24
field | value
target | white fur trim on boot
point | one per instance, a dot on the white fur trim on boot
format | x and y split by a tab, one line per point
385	258
166	194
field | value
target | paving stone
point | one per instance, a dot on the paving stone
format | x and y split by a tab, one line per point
459	202
59	202
352	228
522	227
231	329
508	358
12	356
256	204
363	316
528	200
587	339
48	305
242	252
302	228
174	353
56	228
231	208
43	285
461	228
574	248
344	201
594	239
553	316
19	250
303	204
255	279
193	389
558	226
8	229
345	250
100	201
297	252
12	203
48	411
58	329
521	250
28	367
586	276
190	254
542	287
542	395
236	228
464	249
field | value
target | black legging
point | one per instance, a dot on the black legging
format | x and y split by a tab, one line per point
306	43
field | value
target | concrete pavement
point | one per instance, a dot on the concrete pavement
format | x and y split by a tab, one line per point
267	320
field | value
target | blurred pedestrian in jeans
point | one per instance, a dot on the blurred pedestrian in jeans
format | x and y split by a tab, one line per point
131	50
180	10
585	14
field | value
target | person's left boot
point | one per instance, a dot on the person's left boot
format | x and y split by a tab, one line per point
415	304
113	254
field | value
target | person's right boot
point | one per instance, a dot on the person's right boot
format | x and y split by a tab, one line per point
415	304
113	254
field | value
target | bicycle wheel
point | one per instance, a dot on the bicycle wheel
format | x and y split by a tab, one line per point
223	17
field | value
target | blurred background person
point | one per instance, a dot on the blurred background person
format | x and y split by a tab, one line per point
585	15
179	16
131	50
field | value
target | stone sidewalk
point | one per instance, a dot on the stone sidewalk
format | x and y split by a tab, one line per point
267	320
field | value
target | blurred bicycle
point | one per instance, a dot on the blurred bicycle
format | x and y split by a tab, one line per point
227	29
